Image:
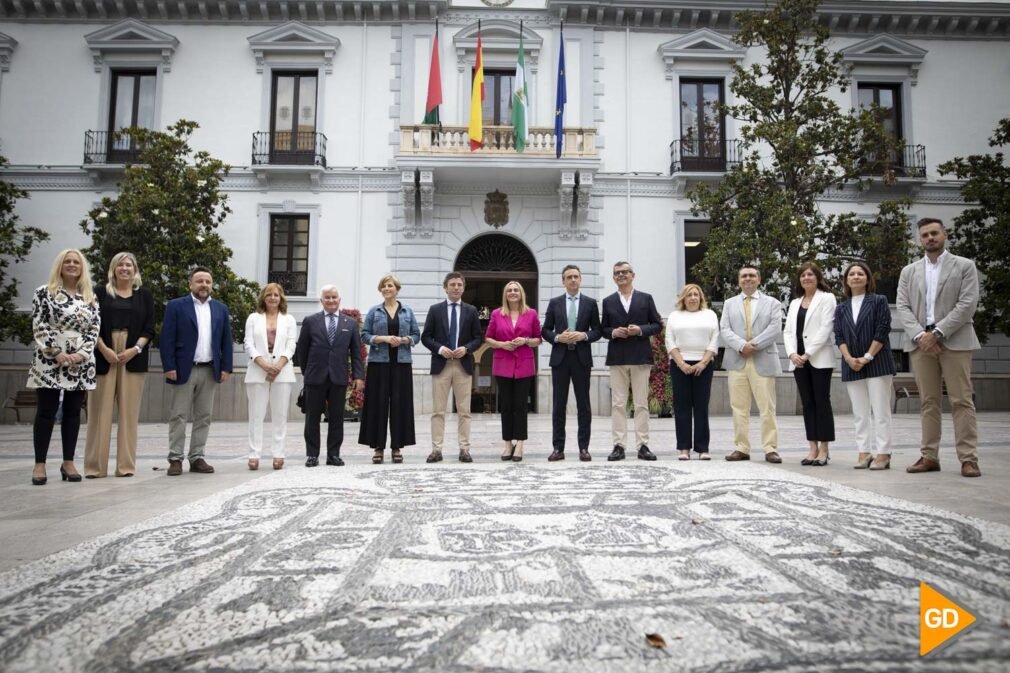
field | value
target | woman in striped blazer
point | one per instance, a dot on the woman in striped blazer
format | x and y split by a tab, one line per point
863	325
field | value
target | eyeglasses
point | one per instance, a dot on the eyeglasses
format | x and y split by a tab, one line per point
622	273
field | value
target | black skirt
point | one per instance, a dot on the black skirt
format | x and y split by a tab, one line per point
389	406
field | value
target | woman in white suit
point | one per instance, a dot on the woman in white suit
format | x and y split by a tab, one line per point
809	342
270	339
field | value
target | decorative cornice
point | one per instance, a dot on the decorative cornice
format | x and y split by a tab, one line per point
7	46
886	50
132	37
704	46
498	36
294	38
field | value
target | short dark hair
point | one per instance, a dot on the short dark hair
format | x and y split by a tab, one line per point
821	283
569	268
749	266
200	269
929	220
871	284
623	263
453	274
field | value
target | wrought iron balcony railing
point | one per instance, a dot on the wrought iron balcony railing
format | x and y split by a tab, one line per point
289	148
424	139
908	162
103	147
295	283
703	156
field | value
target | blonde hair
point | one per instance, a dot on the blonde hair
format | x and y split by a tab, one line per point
522	298
110	287
55	283
389	277
261	303
682	297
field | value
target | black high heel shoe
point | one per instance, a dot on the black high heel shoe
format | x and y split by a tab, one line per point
506	457
39	481
67	477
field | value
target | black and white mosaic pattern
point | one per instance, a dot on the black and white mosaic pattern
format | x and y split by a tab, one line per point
515	568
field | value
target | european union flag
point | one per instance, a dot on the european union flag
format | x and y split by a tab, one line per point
561	99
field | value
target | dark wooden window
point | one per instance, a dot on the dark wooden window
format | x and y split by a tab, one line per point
498	88
289	253
131	105
293	118
702	127
887	98
695	246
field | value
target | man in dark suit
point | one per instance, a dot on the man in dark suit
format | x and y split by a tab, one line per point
325	343
630	319
572	323
452	333
196	354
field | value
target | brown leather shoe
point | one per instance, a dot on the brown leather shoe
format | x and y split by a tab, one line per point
174	468
584	455
738	455
464	456
555	456
200	466
774	457
923	465
434	457
969	468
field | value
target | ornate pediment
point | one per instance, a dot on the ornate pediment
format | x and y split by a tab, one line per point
701	46
500	41
7	45
886	50
131	37
294	39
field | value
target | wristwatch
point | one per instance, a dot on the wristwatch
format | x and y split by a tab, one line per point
140	349
868	356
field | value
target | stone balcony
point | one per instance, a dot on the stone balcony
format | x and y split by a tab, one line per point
429	140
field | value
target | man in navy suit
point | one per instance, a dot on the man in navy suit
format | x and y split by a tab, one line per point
326	342
630	319
452	333
196	353
572	323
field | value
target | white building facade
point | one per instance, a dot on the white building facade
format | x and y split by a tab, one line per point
317	106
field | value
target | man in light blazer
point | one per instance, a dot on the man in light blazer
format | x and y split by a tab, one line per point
326	343
452	333
937	298
629	321
571	323
750	326
196	355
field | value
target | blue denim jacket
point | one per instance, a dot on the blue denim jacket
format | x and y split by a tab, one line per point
375	325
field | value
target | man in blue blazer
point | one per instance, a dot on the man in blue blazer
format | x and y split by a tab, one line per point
326	342
571	323
452	333
629	321
196	354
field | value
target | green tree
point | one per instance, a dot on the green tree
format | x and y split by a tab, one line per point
167	213
981	232
796	144
16	242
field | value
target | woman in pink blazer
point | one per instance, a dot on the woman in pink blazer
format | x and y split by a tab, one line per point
513	333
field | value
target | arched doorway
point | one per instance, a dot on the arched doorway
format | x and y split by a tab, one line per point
489	262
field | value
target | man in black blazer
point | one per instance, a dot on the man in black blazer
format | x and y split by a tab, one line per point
572	323
452	333
325	343
629	321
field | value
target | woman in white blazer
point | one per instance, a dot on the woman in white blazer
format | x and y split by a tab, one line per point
270	339
809	340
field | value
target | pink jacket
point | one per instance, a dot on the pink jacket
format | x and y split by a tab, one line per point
517	364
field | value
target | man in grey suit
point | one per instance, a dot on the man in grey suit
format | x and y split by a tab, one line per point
325	343
750	326
937	297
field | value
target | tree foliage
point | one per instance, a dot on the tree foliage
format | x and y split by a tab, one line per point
167	213
796	144
982	233
16	242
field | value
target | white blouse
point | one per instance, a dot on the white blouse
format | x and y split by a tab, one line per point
693	333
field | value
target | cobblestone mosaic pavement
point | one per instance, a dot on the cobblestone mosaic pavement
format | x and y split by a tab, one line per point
515	568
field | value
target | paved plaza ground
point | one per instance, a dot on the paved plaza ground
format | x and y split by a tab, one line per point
504	567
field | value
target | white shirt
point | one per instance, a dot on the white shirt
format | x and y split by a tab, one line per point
932	283
626	303
204	352
693	333
857	303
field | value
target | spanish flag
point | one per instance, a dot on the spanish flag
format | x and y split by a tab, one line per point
477	100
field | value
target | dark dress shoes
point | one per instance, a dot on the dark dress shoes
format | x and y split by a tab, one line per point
434	457
336	461
969	468
774	457
923	465
645	454
738	455
464	456
200	466
617	453
311	461
555	456
584	455
174	468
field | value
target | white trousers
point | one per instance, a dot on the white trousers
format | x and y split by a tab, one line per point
871	408
278	397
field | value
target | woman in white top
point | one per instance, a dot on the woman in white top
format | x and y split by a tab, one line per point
692	341
809	337
270	338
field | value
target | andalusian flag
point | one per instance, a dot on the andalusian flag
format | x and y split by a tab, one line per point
519	98
434	86
477	100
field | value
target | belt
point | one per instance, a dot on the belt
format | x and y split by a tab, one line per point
202	364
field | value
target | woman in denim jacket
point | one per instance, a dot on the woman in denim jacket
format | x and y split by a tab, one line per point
390	330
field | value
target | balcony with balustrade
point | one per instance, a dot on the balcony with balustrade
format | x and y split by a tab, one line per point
288	153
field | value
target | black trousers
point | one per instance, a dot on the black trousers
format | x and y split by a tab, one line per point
570	371
513	403
332	397
45	419
690	403
815	394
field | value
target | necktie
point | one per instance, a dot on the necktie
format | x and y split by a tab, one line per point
571	312
453	327
746	313
331	327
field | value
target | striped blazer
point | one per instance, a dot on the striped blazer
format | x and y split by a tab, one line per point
874	324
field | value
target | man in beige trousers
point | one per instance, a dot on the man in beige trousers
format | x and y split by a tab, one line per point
937	297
